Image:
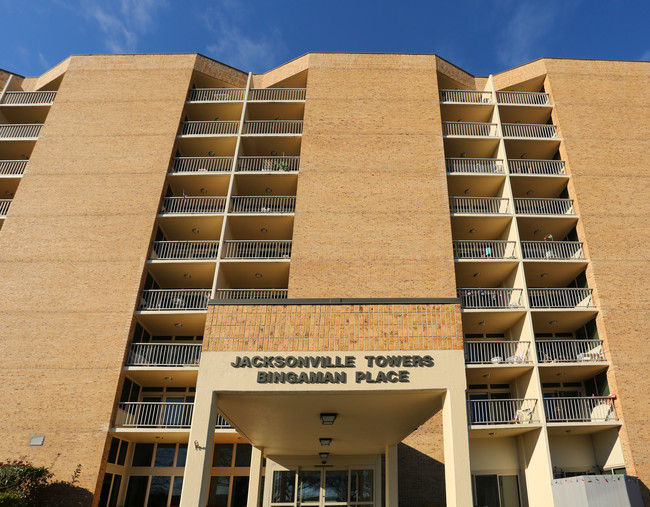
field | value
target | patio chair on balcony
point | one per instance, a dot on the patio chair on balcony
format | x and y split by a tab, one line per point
523	416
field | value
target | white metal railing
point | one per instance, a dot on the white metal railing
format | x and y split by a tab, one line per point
12	167
536	166
569	351
560	298
210	128
523	98
580	409
466	96
489	249
20	131
276	94
262	204
544	206
216	94
512	411
467	128
148	414
175	299
497	352
474	165
29	98
4	207
201	164
287	164
194	204
494	205
529	130
488	297
236	294
552	250
164	354
255	249
273	127
185	249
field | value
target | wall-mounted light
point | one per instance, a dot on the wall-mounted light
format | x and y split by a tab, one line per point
325	442
328	418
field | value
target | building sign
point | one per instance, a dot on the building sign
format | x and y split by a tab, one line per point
375	369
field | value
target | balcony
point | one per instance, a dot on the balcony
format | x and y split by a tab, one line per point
263	204
4	207
474	166
569	351
174	299
276	94
513	411
182	250
216	95
164	354
12	167
145	414
465	97
38	98
210	128
192	205
497	352
239	294
272	127
529	131
201	165
469	129
489	298
560	298
29	131
255	249
481	205
523	98
268	164
580	409
544	206
485	250
536	166
552	250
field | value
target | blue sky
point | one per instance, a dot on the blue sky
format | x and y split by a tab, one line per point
481	36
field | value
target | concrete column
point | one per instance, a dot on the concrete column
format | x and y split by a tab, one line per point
196	480
458	477
392	492
255	480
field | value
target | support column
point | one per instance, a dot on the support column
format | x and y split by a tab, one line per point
196	479
458	477
255	480
392	492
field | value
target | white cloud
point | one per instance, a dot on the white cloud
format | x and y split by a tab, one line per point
645	56
43	61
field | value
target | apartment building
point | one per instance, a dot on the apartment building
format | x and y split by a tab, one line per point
354	280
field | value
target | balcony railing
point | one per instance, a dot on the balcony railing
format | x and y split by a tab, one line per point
263	204
236	294
466	96
464	128
164	354
194	204
282	127
580	409
544	206
12	167
529	130
254	249
276	94
474	165
513	411
175	299
496	352
185	250
4	207
210	128
523	98
536	166
569	250
489	298
42	98
273	164
489	205
560	298
20	131
147	414
216	94
497	249
569	351
202	164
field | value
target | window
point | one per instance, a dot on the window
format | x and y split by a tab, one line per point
222	456
142	455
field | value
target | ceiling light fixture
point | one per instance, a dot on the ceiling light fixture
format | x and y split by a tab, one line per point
481	323
204	190
169	379
537	231
269	190
476	275
258	275
187	275
328	418
195	230
468	191
211	153
323	455
325	442
544	275
264	230
552	322
178	324
274	153
529	192
472	230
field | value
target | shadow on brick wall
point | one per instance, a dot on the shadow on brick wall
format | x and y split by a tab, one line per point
421	479
63	494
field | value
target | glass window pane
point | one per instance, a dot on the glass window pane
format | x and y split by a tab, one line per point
487	490
182	455
115	491
509	486
106	489
136	491
222	455
284	483
176	492
121	457
243	456
165	455
361	487
218	493
112	453
239	491
142	455
308	486
159	491
336	485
